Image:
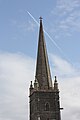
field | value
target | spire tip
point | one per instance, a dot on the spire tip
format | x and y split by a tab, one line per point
40	18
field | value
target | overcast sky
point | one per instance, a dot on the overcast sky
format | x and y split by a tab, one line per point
18	52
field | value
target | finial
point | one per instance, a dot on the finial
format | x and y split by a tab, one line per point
36	85
31	86
55	79
40	18
31	82
56	85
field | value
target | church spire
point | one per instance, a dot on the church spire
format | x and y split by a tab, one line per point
43	74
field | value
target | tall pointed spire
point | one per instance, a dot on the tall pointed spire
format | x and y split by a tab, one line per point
44	98
43	74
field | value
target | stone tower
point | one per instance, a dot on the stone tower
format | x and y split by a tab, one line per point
44	97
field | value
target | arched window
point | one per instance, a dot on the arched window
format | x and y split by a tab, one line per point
47	106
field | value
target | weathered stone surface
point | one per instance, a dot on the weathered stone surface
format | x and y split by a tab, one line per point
43	74
44	98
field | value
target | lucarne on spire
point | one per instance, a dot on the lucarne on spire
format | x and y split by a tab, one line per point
43	74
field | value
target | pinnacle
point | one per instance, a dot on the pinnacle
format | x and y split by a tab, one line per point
55	79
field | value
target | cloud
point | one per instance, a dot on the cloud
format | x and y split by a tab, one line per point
24	26
70	95
69	85
67	17
29	26
67	6
16	72
62	67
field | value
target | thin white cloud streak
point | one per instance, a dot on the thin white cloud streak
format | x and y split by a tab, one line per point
67	6
16	72
28	26
33	18
67	14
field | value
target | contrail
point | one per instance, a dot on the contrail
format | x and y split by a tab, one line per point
33	18
48	36
45	32
53	41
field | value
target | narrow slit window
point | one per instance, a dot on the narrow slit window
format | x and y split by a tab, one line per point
47	107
